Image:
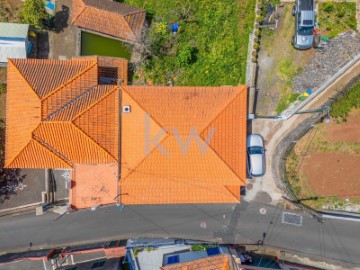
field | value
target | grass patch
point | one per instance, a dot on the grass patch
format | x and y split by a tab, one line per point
210	48
285	101
351	99
335	18
2	88
286	70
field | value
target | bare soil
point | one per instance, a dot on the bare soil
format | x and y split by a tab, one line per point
333	174
9	10
328	159
345	132
2	106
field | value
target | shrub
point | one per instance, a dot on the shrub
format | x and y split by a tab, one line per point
328	7
186	56
256	46
256	40
253	60
257	33
33	13
342	107
254	53
2	88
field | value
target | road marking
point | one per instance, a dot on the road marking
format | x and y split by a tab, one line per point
262	211
292	219
203	224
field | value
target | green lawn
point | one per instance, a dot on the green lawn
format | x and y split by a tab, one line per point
210	48
335	18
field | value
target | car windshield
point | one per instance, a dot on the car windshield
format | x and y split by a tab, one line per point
255	150
306	31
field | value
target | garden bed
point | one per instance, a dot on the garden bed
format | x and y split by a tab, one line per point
210	47
336	17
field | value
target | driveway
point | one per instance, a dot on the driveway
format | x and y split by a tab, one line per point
24	187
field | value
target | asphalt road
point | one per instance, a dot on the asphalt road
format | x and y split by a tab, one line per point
243	223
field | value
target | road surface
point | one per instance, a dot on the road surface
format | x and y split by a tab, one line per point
245	223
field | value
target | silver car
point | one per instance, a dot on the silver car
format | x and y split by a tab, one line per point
255	155
304	24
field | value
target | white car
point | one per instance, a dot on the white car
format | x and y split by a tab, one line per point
255	155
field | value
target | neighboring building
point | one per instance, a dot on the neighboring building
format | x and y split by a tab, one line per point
176	256
109	17
174	144
13	41
100	256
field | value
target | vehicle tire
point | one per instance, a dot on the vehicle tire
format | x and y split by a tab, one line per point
293	11
293	41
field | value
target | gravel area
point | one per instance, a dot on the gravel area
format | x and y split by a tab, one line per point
326	61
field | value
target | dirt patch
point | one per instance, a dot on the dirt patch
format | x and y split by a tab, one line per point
2	106
323	167
333	174
9	10
2	75
64	37
345	132
278	62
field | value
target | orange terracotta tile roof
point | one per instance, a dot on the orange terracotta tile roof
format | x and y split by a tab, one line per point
93	184
178	170
217	262
57	114
109	17
178	144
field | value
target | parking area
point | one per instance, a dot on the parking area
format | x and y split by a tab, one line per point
24	187
21	187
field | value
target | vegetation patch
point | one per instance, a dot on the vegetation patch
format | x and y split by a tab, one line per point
210	47
335	17
285	100
351	99
199	247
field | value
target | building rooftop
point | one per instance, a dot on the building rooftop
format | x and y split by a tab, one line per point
13	38
112	18
177	144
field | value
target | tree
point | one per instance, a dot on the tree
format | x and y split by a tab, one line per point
33	12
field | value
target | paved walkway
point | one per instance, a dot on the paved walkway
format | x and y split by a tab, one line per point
63	43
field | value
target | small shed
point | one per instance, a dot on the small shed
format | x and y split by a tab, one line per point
13	41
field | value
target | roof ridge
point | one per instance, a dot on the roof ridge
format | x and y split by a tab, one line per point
123	87
92	141
223	161
70	103
128	25
22	75
83	9
54	151
134	12
227	187
220	113
90	107
70	80
141	161
47	149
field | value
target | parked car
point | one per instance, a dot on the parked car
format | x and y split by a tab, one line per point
255	155
304	24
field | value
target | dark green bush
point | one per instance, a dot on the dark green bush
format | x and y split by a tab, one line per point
342	107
